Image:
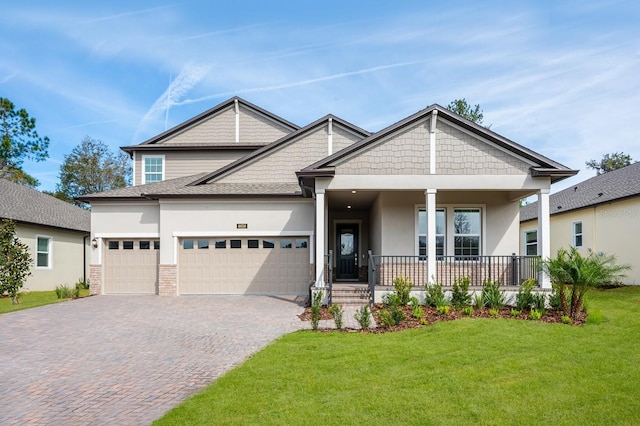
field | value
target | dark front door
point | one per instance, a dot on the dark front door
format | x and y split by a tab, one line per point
347	251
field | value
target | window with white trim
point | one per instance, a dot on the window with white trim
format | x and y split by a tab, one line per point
43	252
531	243
440	232
466	232
577	234
153	169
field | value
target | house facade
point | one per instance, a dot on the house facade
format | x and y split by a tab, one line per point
599	215
272	208
56	233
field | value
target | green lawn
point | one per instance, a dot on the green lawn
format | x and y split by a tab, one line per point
471	371
33	299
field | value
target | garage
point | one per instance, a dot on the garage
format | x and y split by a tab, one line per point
252	265
131	266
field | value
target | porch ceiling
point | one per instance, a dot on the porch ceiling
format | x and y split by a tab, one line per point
360	200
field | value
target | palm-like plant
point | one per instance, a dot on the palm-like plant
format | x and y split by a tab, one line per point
572	275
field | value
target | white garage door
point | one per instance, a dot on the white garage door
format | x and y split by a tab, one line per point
244	265
131	266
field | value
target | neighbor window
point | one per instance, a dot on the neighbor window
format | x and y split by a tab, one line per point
422	233
43	252
531	243
153	169
466	232
577	234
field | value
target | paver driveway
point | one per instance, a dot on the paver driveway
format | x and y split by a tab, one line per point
126	360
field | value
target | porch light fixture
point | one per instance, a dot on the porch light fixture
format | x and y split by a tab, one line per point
354	191
348	207
94	243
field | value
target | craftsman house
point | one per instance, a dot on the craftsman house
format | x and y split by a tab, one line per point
240	201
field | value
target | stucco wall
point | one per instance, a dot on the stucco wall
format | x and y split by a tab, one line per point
67	262
610	228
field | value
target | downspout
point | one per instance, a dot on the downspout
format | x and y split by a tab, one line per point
84	258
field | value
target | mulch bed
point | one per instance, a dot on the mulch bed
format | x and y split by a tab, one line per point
432	316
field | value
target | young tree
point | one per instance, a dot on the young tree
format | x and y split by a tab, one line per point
572	275
19	141
461	107
15	261
610	162
92	167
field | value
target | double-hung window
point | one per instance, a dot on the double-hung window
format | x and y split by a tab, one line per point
467	233
531	243
440	233
153	169
43	252
577	234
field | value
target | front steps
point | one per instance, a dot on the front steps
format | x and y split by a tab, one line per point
350	294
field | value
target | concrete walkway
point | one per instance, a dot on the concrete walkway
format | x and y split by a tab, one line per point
126	360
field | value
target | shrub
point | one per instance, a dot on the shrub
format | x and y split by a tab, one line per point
442	309
316	309
467	310
416	311
478	301
390	299
82	284
535	314
397	315
492	296
424	321
566	320
434	296
494	312
337	312
403	287
515	312
539	301
65	292
15	261
524	298
594	317
385	318
460	296
363	316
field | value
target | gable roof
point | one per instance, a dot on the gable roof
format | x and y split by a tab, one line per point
23	204
153	143
142	191
546	166
605	188
247	159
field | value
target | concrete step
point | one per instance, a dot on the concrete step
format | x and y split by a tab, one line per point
351	296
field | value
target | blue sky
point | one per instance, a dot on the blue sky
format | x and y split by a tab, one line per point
560	77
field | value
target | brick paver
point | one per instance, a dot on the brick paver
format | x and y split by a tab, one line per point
127	360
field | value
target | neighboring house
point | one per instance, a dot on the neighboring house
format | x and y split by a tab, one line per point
240	201
601	214
56	232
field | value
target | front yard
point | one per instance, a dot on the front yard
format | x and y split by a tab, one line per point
34	299
468	371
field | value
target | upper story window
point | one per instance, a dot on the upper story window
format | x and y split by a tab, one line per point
466	228
43	252
531	243
577	234
153	168
440	232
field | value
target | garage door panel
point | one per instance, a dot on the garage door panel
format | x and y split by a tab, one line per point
258	265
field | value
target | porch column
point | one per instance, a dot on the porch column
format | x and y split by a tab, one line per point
544	233
431	235
320	237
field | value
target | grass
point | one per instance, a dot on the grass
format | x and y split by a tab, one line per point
33	299
470	371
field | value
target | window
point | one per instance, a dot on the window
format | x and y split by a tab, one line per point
422	232
156	245
187	244
531	243
285	243
466	232
236	244
43	252
221	244
253	243
268	244
127	245
577	234
301	243
145	245
114	245
203	244
153	169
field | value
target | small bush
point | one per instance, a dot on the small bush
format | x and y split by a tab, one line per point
539	301
337	312
494	312
524	298
403	287
442	309
478	301
535	314
397	315
515	312
467	310
460	296
424	321
390	299
65	292
594	317
416	311
566	319
82	284
492	296
384	316
434	295
554	299
316	309
363	317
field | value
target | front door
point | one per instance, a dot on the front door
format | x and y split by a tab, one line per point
347	251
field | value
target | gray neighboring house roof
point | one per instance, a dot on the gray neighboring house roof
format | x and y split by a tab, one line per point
23	204
605	188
